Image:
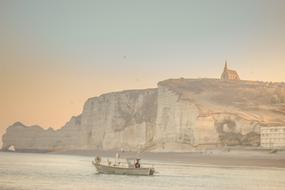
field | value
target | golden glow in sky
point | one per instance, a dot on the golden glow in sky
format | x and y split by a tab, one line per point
56	54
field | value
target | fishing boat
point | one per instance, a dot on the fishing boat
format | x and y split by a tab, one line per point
132	168
11	148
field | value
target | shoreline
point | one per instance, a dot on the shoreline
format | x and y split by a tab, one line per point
213	158
217	158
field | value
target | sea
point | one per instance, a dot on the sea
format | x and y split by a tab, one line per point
27	171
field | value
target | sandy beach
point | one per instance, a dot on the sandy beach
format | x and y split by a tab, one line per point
219	158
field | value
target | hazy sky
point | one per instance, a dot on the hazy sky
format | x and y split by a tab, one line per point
56	54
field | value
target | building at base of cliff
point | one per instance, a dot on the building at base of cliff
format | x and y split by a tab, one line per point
272	137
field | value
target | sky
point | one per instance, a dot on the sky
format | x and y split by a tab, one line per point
55	54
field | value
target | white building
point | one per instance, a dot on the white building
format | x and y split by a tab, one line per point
272	137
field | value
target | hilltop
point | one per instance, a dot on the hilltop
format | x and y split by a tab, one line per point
179	115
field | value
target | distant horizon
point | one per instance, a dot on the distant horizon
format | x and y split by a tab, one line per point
56	54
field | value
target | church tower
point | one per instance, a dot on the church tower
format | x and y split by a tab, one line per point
229	74
226	66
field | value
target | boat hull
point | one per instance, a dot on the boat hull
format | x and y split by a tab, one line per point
123	171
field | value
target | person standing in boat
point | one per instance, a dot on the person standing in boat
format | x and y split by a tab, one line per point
137	164
117	162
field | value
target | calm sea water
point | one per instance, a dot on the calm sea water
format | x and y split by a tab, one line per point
59	172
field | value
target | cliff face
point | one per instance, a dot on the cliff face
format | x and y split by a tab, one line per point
179	115
111	121
209	112
25	138
120	120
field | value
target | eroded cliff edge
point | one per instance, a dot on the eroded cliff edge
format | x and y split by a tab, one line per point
181	114
111	121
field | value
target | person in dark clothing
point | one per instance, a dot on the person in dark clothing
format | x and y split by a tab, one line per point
137	164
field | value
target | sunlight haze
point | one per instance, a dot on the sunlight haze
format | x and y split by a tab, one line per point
54	55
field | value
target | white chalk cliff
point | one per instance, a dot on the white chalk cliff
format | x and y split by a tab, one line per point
179	115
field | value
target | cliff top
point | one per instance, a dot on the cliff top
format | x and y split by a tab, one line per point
262	100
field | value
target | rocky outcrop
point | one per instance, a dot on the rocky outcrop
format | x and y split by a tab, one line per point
26	138
111	121
180	115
